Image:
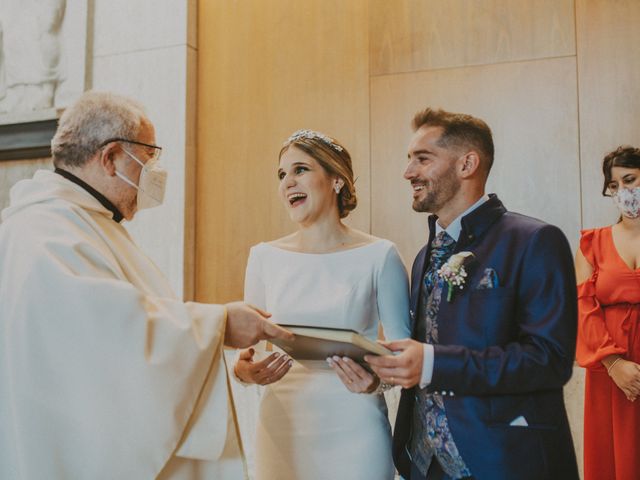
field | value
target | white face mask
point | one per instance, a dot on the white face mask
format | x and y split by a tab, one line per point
628	202
152	183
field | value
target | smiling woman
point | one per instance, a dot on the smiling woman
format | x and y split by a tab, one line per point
310	150
312	424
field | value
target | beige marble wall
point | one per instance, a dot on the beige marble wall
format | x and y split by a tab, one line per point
12	171
146	49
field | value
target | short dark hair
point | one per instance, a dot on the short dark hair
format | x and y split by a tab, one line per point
459	130
623	156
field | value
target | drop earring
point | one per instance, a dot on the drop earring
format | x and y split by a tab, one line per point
338	186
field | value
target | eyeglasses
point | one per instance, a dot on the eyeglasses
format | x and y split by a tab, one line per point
154	151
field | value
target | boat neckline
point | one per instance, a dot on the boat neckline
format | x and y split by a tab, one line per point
345	250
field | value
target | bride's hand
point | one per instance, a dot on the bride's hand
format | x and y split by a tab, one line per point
266	371
354	376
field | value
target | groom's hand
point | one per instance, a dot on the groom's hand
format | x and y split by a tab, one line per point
404	369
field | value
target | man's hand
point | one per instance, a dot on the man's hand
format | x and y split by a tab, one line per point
354	377
404	369
247	325
266	371
626	375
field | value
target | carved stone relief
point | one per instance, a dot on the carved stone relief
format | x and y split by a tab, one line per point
42	55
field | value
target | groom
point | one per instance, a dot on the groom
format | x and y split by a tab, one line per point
483	374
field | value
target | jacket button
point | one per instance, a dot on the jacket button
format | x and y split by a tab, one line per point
471	237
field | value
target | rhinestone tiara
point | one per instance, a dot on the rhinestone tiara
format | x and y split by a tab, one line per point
311	134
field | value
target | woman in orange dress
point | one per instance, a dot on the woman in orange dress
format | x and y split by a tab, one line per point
608	273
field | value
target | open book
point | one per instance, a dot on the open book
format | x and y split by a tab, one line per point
318	343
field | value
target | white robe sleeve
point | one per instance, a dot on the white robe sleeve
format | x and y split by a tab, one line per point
102	379
393	297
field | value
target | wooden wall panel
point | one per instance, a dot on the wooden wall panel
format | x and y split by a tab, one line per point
609	84
531	108
265	70
412	35
360	69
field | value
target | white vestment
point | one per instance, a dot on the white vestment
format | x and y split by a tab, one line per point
104	373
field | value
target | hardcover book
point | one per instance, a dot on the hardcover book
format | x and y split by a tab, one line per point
318	343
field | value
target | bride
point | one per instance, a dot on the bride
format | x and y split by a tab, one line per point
323	420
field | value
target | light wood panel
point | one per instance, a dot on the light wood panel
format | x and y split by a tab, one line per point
574	401
190	162
531	108
265	70
411	35
268	68
609	82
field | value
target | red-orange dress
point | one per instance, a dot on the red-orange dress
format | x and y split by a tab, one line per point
609	323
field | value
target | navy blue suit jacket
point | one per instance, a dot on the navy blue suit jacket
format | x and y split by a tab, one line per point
503	352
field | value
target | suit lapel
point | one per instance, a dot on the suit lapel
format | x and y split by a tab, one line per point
473	226
419	266
418	271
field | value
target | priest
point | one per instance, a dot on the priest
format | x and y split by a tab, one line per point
104	373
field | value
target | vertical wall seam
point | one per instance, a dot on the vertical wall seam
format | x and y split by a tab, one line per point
369	78
580	186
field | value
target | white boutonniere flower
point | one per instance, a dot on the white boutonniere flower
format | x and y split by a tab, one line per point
454	273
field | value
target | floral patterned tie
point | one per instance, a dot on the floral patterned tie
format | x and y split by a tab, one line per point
442	247
431	435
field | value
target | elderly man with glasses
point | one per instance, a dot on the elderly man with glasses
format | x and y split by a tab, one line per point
104	373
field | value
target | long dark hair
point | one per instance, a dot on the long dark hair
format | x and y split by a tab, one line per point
623	156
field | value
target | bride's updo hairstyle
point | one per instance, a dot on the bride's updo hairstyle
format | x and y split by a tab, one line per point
334	159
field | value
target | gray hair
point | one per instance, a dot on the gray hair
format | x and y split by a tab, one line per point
88	123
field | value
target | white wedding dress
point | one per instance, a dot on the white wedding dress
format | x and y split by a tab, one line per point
310	426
